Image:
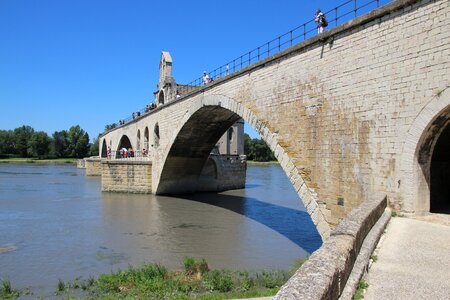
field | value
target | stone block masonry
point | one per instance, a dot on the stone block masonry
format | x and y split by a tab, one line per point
128	176
93	166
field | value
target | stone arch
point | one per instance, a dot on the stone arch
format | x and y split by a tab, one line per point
103	151
124	143
146	138
161	98
156	136
211	116
429	125
138	140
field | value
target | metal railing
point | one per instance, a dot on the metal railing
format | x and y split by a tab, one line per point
128	155
336	16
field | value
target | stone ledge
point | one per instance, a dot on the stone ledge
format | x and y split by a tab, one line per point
127	162
325	274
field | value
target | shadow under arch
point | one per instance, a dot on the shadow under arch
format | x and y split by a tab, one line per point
188	149
295	226
418	149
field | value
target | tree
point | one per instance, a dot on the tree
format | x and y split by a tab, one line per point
60	143
93	149
6	142
39	144
78	142
257	149
110	126
21	137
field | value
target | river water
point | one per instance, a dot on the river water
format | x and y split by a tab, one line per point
56	223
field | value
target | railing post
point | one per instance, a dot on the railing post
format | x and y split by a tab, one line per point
355	8
268	49
279	43
258	52
290	36
336	14
304	31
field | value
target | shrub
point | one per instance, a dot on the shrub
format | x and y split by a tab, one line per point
219	280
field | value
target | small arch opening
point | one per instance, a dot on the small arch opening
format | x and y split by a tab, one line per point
146	135
156	136
104	149
138	141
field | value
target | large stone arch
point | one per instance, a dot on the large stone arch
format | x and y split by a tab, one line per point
418	151
207	120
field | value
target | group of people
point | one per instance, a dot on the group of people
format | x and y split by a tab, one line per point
150	107
125	153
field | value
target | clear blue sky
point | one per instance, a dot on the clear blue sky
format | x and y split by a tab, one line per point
93	62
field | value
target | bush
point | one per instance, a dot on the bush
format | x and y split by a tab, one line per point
219	280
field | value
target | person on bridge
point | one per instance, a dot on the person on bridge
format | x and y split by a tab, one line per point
320	20
205	78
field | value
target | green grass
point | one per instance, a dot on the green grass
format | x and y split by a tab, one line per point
41	161
196	281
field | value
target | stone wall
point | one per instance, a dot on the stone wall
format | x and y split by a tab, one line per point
93	166
324	275
129	176
339	110
223	172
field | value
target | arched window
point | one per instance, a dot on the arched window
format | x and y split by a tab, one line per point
146	138
161	98
138	141
156	136
230	134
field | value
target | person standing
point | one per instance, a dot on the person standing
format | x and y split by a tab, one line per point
205	78
320	20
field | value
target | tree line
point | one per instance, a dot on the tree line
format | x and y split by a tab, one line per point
24	141
257	149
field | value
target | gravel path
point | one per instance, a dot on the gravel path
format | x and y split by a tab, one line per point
413	260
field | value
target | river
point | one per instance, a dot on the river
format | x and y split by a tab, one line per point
56	223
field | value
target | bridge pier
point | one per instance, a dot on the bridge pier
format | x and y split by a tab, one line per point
129	176
93	166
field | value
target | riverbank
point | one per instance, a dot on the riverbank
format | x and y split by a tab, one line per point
153	281
39	161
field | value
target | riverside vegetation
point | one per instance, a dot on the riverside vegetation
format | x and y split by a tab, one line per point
153	281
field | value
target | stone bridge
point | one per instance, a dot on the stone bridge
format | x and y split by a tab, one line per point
359	109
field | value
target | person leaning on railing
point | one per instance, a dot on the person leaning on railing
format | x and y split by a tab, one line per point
320	20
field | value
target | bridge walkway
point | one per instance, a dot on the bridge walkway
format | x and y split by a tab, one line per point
413	260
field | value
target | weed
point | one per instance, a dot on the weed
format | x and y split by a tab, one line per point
374	258
61	285
359	294
6	291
